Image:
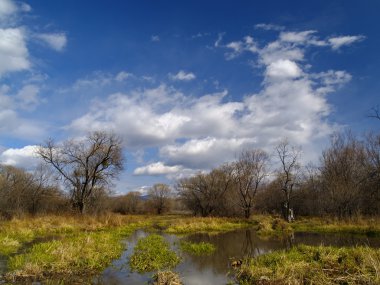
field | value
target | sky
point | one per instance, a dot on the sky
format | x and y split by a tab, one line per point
187	85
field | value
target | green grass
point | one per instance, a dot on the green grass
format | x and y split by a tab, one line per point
205	225
268	226
360	226
153	253
64	247
202	248
83	253
313	265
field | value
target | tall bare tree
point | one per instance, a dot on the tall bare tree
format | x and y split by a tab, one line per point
288	173
160	194
86	164
206	193
249	173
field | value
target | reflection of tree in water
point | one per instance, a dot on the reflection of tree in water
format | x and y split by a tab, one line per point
236	244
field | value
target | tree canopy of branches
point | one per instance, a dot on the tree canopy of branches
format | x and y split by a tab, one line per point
27	192
85	165
249	172
205	194
288	174
159	195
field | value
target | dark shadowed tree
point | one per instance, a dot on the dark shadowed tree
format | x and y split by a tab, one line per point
288	173
85	165
159	196
205	193
344	174
249	173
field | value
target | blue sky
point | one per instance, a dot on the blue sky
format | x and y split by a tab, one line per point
186	84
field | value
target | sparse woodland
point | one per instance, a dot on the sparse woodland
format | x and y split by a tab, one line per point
344	182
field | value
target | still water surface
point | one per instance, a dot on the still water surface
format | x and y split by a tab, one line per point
215	268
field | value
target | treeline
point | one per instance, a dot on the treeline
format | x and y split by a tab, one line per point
39	192
344	183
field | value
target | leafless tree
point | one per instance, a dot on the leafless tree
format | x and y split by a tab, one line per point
86	164
343	173
159	195
249	172
375	113
288	173
205	194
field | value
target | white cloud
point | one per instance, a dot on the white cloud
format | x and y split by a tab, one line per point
25	7
296	37
196	133
205	153
283	68
182	76
269	27
25	157
337	42
157	168
56	41
122	75
155	38
7	8
13	52
219	40
238	47
28	96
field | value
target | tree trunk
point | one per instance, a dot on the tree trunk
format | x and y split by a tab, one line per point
80	206
247	213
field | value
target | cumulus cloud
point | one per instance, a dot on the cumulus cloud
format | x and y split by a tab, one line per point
157	168
56	41
283	68
7	8
14	55
25	157
182	76
337	42
195	133
28	96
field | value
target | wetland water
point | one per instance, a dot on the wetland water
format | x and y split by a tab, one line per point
215	268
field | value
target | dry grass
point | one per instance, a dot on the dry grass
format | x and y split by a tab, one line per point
316	265
207	225
166	278
358	225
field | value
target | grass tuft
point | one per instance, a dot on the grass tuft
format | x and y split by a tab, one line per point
153	253
313	265
166	278
205	225
202	248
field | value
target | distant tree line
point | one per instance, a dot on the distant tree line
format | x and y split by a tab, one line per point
344	183
77	177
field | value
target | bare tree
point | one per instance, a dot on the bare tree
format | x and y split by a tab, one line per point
160	197
249	172
375	113
344	173
288	173
206	193
86	164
